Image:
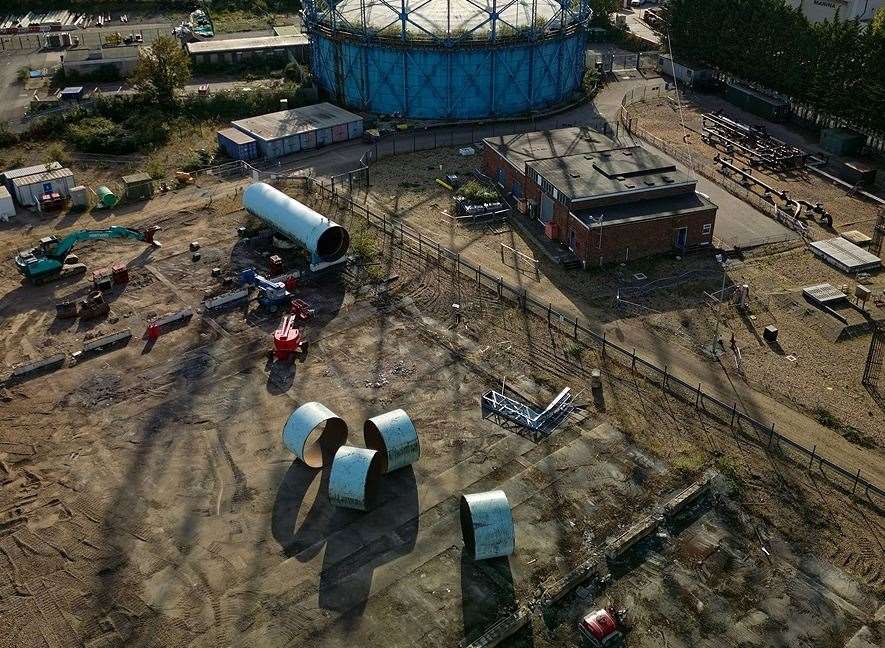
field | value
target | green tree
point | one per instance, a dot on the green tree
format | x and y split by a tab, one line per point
162	68
602	10
877	24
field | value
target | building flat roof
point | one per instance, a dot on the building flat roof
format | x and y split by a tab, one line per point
298	120
242	44
845	255
12	174
643	210
236	136
55	174
540	145
606	173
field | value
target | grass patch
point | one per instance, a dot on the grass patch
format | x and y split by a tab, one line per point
847	432
689	464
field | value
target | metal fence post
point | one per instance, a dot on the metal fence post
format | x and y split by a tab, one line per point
549	307
733	412
771	435
813	452
697	402
633	363
664	384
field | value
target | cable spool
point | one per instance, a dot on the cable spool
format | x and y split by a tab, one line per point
302	434
487	525
394	436
353	481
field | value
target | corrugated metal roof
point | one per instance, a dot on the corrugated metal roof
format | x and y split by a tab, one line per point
243	44
298	120
4	192
55	174
236	136
12	174
846	254
136	178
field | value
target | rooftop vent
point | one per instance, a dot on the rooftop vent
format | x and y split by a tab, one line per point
588	157
575	174
650	183
668	179
605	154
628	153
621	178
630	185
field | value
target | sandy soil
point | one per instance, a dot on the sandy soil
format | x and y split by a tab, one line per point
824	385
146	497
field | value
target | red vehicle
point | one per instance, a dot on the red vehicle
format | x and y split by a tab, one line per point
603	628
287	339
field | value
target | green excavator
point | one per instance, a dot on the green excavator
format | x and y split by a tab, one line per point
52	258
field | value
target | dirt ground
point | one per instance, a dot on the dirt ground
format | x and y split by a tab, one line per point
824	385
147	498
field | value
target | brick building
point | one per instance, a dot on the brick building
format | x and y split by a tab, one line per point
605	202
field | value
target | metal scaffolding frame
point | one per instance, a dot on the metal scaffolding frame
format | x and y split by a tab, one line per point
503	409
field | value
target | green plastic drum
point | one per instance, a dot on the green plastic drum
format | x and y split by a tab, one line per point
106	197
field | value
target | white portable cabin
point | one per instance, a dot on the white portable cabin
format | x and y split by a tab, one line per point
28	189
7	207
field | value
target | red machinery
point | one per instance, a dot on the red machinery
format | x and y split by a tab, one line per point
602	629
301	309
287	339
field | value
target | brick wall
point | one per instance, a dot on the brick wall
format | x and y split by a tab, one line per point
492	162
634	240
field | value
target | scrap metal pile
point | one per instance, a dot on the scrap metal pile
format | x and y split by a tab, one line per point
752	143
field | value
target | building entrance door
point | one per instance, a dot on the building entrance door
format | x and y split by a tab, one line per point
681	238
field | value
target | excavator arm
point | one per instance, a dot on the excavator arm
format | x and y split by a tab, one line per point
63	247
47	260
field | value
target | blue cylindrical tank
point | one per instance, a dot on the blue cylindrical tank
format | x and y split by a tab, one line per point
487	525
394	436
353	480
324	239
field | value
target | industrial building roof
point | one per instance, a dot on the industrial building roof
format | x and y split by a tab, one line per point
55	174
593	175
539	145
216	46
664	207
236	136
845	255
298	120
12	174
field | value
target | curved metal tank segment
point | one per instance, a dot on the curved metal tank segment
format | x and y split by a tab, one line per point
302	436
487	525
353	481
394	436
326	240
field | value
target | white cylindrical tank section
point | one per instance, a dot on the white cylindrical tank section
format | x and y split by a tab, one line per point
353	481
325	240
394	436
302	434
487	525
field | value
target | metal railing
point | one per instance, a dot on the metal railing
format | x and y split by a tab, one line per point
741	423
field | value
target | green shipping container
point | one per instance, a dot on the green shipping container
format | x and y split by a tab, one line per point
753	101
138	186
842	141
